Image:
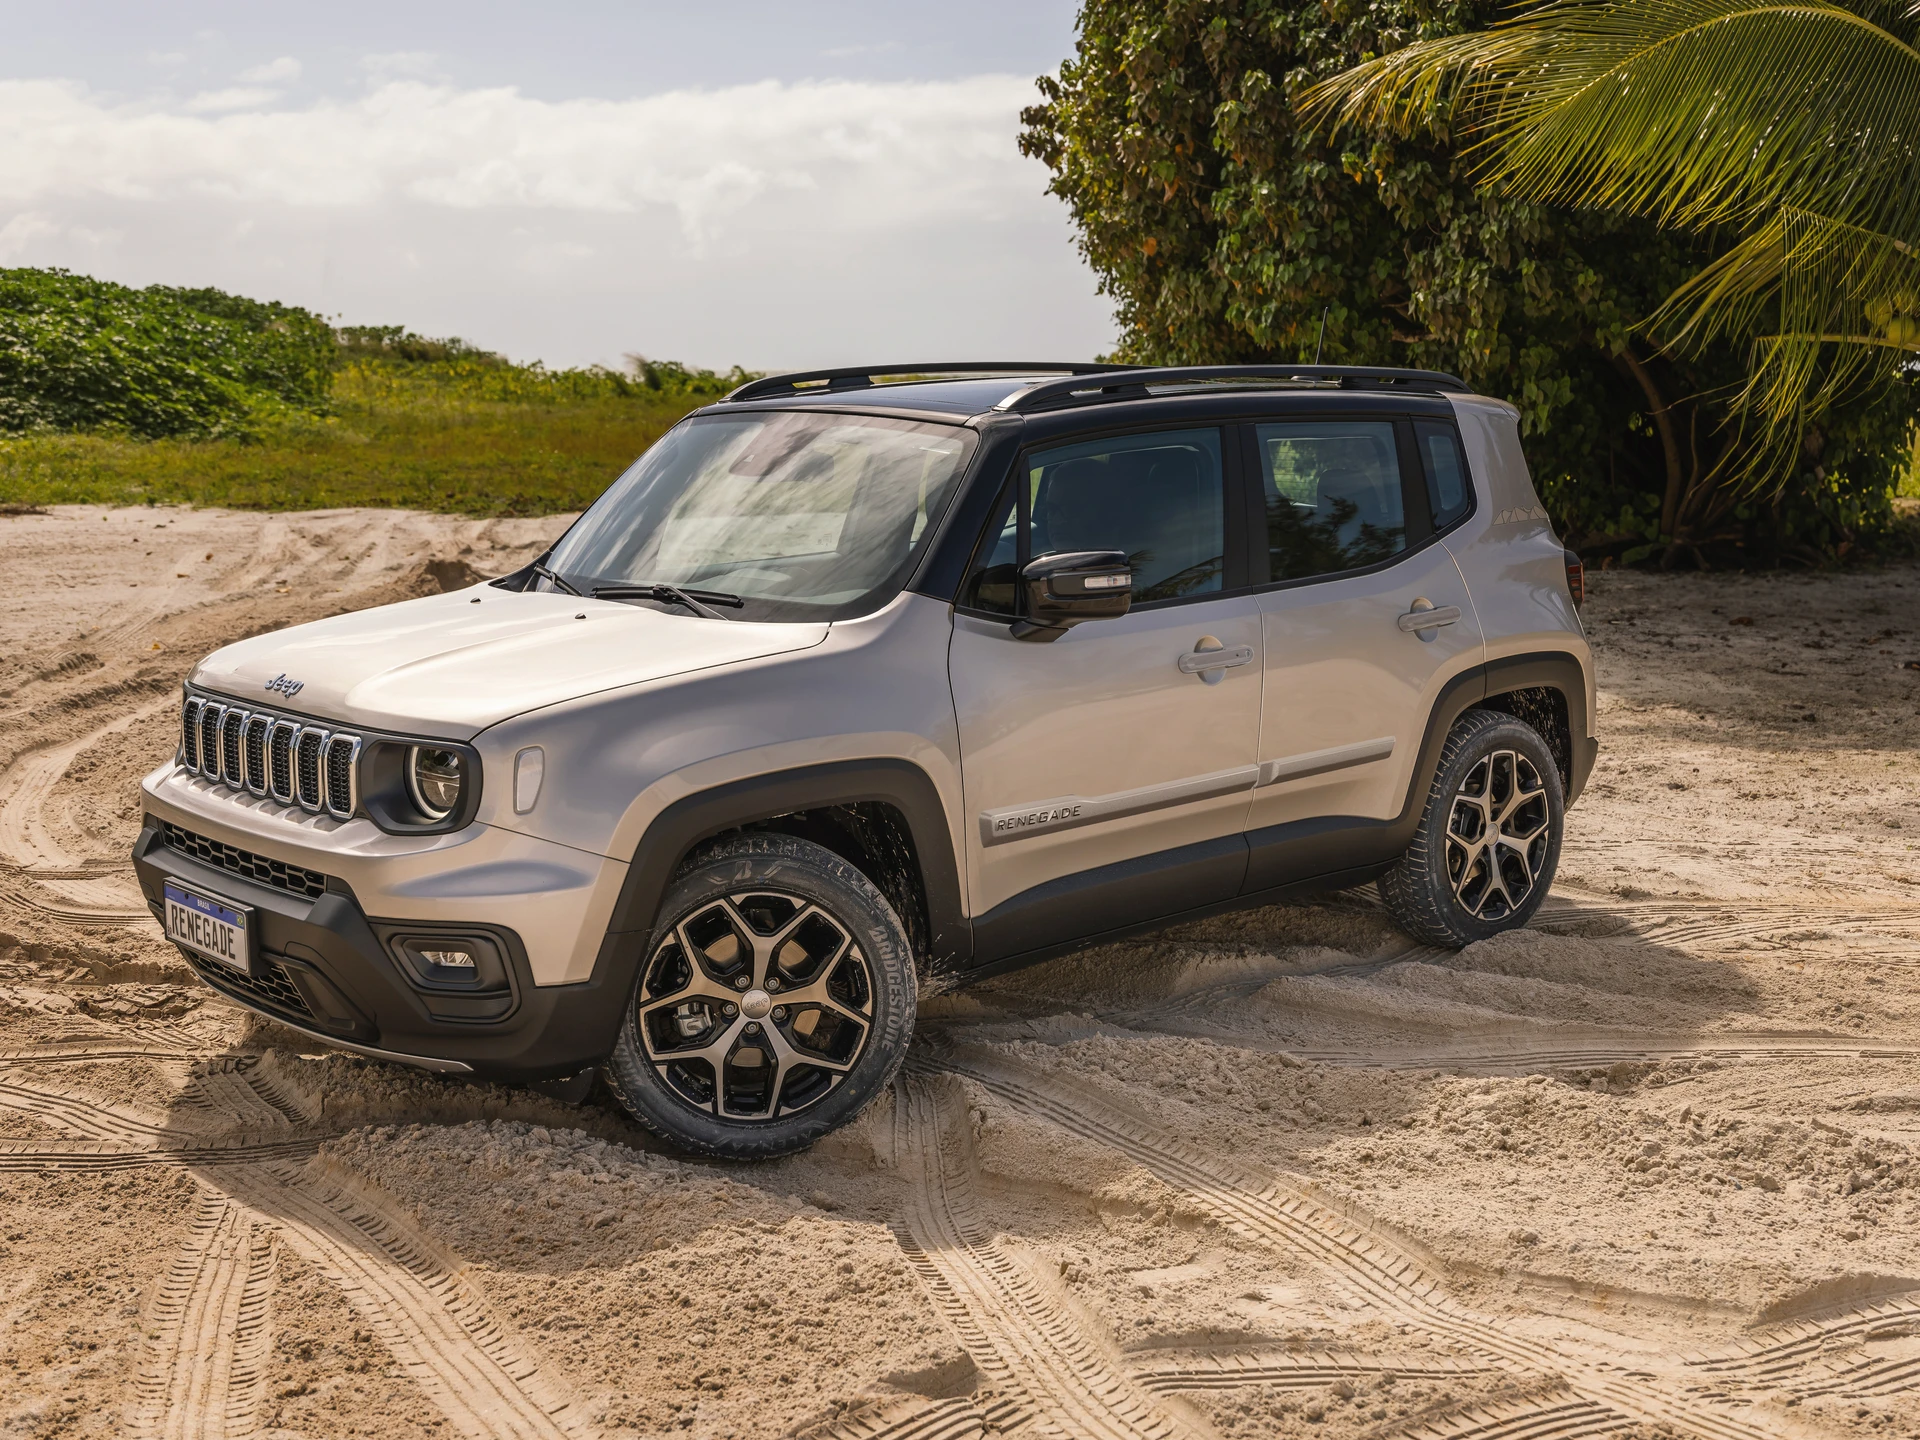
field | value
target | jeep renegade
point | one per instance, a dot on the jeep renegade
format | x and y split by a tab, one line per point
863	681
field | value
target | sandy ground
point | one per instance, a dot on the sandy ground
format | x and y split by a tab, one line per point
1646	1167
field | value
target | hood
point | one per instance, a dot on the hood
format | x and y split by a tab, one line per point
451	665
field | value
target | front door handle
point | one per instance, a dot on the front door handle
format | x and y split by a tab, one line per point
1425	615
1210	660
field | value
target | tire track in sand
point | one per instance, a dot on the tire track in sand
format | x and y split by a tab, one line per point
37	870
1524	1049
102	1137
208	1334
1352	1252
85	1118
26	1157
1164	1373
1521	1419
1519	1059
1676	921
1021	1337
413	1297
423	1310
1800	1355
27	840
232	1086
965	1417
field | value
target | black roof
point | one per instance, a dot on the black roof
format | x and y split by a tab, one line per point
967	389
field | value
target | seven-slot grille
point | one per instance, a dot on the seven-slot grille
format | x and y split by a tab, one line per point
275	755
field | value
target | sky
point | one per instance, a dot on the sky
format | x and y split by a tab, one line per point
771	185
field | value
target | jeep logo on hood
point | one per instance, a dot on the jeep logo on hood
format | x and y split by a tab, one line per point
286	687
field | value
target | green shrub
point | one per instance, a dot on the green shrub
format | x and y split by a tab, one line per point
170	396
83	354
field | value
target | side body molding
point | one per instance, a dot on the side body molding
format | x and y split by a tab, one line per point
1066	812
700	816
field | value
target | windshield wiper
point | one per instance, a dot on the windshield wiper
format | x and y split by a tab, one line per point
672	595
556	577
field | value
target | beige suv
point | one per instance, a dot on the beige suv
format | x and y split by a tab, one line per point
851	687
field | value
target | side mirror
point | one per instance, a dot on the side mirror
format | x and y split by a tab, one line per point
1064	589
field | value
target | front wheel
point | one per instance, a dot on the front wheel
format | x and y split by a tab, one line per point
1489	840
776	1001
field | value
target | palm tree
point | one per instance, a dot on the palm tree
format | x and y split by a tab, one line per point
1792	127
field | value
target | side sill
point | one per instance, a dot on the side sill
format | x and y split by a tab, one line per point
1141	891
1250	900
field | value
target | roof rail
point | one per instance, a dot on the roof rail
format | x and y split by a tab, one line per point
864	377
1131	384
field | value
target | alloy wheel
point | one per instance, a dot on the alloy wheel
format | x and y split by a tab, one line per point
1498	835
755	1006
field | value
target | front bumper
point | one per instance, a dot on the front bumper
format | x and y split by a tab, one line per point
327	968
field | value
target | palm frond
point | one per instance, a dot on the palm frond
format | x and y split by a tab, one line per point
1797	123
1694	112
1844	303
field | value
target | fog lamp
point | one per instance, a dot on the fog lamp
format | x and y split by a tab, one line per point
454	962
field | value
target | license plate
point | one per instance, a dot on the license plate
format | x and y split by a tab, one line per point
213	928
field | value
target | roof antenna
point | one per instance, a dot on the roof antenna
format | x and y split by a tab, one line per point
1320	344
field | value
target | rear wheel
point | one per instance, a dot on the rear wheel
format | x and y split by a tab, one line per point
777	1000
1489	841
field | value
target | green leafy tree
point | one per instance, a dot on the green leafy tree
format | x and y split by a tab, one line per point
1225	230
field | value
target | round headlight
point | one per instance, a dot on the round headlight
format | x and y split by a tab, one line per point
435	779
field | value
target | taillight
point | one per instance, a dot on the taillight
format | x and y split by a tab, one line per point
1576	579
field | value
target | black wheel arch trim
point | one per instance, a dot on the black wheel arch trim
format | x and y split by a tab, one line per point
699	817
1551	670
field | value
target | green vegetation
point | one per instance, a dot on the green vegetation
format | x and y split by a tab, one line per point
1788	128
159	396
1225	228
77	353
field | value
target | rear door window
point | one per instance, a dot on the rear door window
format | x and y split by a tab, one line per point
1332	494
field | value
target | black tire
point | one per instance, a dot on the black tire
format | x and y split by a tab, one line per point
1451	887
752	922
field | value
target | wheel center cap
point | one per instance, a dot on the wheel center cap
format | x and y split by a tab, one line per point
756	1004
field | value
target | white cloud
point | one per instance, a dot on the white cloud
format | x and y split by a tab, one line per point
764	222
275	72
887	153
238	97
403	65
18	235
851	52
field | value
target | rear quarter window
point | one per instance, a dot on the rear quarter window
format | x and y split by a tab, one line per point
1448	490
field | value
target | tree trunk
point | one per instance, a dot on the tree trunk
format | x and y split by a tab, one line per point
1669	442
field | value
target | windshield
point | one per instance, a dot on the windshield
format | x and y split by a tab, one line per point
803	515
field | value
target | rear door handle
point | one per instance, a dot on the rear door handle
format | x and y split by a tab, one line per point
1209	662
1427	617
